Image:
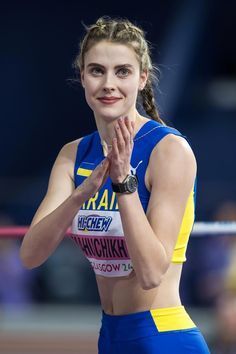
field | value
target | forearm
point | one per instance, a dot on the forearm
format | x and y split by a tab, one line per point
147	253
44	237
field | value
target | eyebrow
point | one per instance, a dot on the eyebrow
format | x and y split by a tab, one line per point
116	67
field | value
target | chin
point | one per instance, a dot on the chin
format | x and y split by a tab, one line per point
110	116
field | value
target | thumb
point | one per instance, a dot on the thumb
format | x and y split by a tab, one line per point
103	166
104	163
109	155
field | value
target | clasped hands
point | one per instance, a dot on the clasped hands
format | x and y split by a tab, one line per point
116	164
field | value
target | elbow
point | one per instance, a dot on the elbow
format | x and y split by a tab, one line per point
28	261
29	257
29	264
148	285
152	279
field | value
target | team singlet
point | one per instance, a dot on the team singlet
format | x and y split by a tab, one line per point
97	227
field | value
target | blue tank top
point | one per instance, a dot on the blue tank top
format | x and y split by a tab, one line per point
97	227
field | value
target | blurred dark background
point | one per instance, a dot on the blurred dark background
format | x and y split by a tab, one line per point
41	110
193	44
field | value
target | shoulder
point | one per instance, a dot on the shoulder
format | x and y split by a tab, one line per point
174	146
67	155
172	155
154	132
71	149
68	151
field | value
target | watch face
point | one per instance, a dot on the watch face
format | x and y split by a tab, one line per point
132	184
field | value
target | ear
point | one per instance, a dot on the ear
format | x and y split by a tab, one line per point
82	78
143	79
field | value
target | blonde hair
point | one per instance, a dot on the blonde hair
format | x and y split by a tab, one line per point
123	31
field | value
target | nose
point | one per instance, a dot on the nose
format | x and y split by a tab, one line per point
109	83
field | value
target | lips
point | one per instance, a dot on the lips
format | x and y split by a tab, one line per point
109	100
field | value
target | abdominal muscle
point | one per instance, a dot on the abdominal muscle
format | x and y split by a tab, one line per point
124	295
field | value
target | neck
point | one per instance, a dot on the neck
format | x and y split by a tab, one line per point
107	132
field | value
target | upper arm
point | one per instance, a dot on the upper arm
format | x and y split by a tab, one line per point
172	172
61	183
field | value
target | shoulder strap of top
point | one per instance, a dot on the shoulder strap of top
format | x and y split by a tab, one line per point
82	150
155	131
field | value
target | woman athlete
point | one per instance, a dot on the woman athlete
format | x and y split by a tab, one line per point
128	191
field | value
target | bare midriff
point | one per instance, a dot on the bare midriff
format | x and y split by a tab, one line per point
124	295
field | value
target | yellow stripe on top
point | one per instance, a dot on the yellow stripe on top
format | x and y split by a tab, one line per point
83	172
185	230
171	319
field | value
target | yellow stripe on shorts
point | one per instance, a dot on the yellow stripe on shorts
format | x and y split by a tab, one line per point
83	172
171	319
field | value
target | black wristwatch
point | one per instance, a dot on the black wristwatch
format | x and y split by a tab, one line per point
129	185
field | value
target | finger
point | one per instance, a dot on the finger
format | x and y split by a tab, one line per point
124	130
115	150
132	125
120	140
109	155
105	166
100	177
127	132
105	177
129	126
101	169
102	164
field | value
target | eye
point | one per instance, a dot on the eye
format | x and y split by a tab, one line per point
123	72
96	71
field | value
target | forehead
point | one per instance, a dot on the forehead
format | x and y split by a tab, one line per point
105	52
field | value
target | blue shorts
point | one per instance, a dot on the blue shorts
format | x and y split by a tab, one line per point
160	331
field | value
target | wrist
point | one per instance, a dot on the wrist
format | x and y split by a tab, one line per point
121	178
118	179
128	185
125	195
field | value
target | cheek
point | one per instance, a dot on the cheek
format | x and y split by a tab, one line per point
90	89
131	89
88	92
89	85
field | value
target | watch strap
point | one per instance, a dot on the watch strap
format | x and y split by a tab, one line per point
119	187
123	187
